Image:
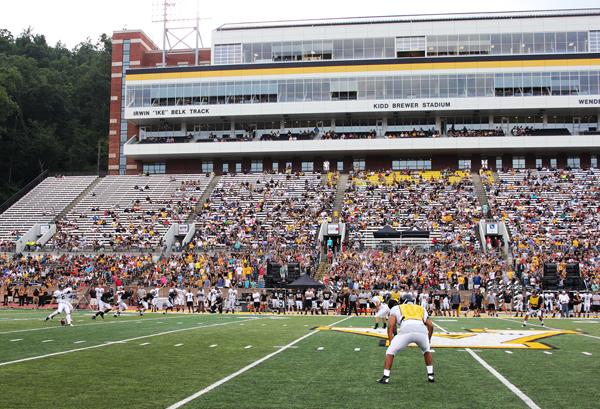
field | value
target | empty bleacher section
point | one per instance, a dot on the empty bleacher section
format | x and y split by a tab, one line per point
552	215
129	212
265	210
40	206
442	203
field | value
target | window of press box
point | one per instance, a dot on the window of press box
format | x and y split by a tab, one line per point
518	162
464	164
411	164
226	168
256	166
308	166
594	161
207	166
154	168
573	162
358	164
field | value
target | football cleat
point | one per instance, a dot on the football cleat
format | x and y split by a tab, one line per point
430	378
93	317
47	318
384	380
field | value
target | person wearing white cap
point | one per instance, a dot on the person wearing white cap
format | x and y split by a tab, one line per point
563	300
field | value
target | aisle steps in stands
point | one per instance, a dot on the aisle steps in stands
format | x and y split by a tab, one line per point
78	198
339	196
480	192
207	192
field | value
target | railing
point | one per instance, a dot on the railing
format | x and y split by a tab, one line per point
23	191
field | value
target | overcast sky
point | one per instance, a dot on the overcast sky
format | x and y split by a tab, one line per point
72	21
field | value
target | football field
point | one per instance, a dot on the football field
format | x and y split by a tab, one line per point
282	361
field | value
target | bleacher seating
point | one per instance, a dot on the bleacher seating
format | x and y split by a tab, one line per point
129	212
41	205
443	203
552	215
266	210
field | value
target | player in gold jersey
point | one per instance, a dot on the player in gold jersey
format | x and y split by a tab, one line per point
415	326
535	304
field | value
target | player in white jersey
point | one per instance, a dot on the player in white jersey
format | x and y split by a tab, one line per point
189	300
415	327
382	311
232	296
155	292
180	299
62	297
201	297
549	302
445	304
586	299
99	291
424	301
519	304
120	304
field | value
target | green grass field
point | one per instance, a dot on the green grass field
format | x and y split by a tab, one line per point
241	362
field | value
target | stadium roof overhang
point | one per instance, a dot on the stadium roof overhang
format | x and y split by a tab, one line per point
362	147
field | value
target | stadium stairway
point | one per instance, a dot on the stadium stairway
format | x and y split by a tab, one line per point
480	192
209	189
78	198
339	195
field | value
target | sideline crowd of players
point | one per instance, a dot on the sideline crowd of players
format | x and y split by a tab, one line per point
106	299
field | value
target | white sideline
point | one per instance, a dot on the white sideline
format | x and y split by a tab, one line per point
32	358
244	369
547	327
530	403
85	325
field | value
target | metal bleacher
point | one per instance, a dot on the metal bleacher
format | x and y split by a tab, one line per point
129	212
42	204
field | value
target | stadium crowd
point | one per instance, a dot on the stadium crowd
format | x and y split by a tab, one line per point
553	216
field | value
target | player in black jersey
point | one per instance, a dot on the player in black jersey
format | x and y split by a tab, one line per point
108	299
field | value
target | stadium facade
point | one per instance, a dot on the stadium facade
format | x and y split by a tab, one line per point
396	92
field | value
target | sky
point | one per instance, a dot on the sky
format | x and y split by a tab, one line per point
73	21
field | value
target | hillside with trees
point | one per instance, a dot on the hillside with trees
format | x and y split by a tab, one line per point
54	105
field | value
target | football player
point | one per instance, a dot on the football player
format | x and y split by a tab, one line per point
534	308
104	304
382	312
121	296
62	296
415	326
232	296
519	304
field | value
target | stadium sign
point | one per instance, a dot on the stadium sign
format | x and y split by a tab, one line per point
474	338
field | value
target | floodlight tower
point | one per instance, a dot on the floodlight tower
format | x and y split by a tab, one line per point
178	30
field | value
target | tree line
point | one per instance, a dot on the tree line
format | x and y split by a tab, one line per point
54	106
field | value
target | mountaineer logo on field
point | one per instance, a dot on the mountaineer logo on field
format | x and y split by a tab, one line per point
473	338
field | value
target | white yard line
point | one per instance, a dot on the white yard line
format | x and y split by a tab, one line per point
244	369
530	403
85	325
32	358
439	326
529	323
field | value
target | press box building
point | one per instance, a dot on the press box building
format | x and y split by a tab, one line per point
391	92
